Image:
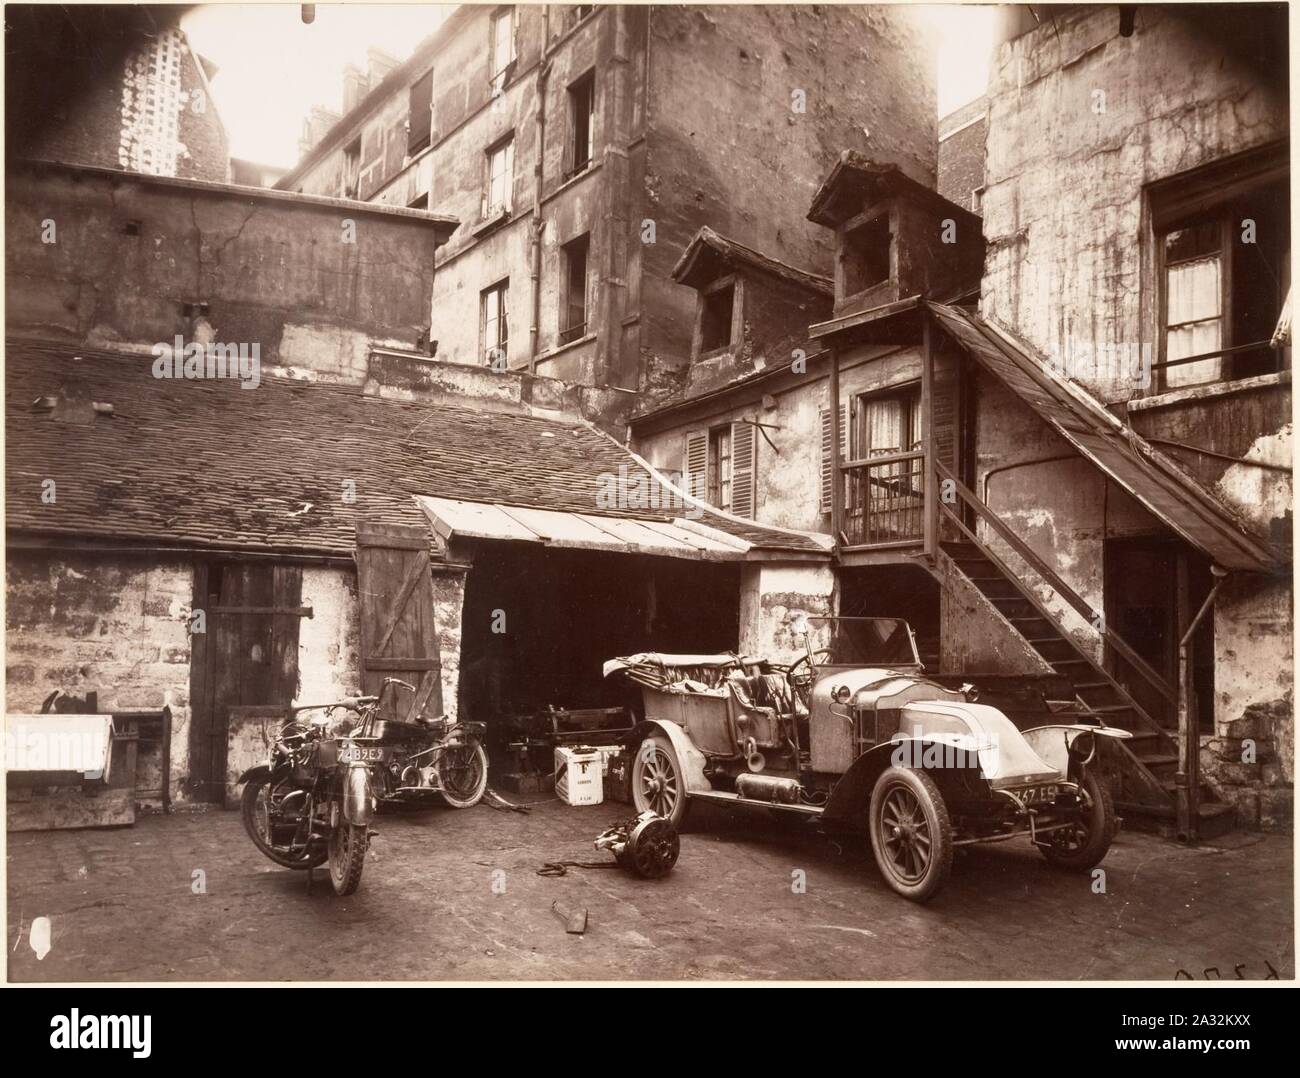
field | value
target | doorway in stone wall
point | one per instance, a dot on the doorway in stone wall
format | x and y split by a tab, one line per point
1142	605
246	657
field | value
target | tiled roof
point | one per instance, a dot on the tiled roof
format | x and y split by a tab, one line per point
207	463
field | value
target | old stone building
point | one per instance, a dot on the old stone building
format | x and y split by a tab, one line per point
1056	440
960	166
1071	454
203	444
582	147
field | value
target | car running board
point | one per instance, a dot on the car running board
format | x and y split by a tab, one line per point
722	797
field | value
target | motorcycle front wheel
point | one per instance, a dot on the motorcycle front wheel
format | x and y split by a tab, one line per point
260	808
347	855
463	774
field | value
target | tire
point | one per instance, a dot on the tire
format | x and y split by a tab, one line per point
658	782
463	774
1083	847
251	809
347	856
911	834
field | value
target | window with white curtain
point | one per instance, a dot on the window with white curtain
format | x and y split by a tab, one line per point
886	499
1194	293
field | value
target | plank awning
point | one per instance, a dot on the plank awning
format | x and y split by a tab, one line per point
1157	482
680	538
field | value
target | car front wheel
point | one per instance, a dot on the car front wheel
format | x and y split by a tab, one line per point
658	783
911	834
1083	846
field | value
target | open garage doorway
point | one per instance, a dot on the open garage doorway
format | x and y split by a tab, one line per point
538	623
896	591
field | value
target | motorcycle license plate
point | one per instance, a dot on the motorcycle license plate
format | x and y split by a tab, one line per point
361	754
1038	795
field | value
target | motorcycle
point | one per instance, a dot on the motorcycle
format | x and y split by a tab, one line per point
315	798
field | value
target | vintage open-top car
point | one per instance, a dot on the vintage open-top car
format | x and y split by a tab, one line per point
854	734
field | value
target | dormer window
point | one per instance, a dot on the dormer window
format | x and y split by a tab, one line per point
716	328
865	255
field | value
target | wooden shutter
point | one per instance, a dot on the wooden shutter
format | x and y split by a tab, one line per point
697	464
421	114
399	637
826	452
946	398
744	468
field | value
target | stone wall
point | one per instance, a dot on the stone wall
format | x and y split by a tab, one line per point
118	625
748	109
1250	759
115	625
117	261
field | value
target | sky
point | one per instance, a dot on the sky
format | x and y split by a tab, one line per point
274	68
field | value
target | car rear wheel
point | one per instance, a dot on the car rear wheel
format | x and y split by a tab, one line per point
658	783
911	834
1083	846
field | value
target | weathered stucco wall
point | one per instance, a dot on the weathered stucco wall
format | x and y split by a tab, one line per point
789	467
122	256
1056	501
1254	701
329	642
1080	119
770	595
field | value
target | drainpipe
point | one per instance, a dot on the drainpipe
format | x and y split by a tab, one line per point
1187	780
535	273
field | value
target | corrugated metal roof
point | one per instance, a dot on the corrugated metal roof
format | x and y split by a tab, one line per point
452	517
1122	454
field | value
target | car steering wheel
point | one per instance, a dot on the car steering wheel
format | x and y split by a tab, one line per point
801	680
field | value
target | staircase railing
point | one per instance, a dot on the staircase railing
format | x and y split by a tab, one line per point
1075	600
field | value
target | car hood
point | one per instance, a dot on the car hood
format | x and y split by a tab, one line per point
1005	757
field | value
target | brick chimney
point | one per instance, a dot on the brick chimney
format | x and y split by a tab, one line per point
314	127
378	65
355	87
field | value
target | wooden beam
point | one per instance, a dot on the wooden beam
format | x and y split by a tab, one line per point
837	484
930	483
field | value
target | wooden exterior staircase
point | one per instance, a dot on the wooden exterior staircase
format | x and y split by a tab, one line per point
1148	761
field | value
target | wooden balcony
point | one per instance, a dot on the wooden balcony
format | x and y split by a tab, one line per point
884	501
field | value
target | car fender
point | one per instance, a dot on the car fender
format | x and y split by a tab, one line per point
1052	742
852	794
691	758
358	801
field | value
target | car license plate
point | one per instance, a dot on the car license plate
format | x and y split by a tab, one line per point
361	754
1038	795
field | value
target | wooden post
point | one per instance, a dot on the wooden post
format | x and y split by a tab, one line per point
929	482
837	484
1186	738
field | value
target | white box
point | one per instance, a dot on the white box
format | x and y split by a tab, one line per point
578	776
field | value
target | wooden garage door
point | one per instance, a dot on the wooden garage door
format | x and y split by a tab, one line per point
398	635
